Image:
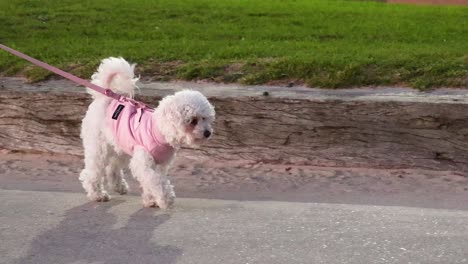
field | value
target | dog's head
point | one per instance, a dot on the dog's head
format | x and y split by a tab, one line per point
186	118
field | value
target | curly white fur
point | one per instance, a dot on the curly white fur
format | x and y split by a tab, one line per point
184	118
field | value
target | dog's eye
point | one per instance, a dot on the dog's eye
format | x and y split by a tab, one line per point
194	122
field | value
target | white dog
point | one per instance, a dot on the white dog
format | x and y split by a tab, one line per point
117	134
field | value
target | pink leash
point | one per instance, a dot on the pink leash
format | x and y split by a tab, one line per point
67	75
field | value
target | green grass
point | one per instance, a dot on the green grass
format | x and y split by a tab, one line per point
321	43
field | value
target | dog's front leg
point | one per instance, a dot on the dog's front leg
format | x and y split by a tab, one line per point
152	179
168	187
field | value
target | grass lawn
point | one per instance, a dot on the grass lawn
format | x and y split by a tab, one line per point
318	42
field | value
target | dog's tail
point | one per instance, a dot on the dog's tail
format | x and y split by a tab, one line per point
115	74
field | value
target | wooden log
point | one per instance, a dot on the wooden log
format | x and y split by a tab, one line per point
375	128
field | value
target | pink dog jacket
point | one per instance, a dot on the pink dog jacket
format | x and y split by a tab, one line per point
133	125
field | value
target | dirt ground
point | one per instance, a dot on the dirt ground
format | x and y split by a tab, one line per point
433	2
195	178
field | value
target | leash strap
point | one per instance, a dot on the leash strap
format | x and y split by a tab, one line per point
67	75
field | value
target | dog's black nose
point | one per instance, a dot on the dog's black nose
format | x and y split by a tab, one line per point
207	133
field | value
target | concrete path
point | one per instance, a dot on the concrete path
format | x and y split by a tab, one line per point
56	227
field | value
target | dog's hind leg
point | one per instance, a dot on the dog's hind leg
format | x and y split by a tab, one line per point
92	176
115	174
151	178
96	150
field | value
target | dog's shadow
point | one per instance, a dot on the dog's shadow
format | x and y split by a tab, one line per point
86	235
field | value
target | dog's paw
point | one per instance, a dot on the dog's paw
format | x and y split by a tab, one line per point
169	195
148	200
163	205
170	198
121	188
163	202
100	197
167	202
150	204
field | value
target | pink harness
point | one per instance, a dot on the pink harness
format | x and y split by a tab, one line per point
133	125
131	121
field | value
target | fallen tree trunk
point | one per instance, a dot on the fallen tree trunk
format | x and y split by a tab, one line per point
301	126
